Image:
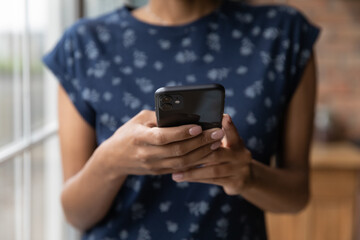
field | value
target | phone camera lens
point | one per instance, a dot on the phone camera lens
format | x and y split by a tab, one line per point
166	99
166	106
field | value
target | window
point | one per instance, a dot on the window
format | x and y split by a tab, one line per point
96	7
30	169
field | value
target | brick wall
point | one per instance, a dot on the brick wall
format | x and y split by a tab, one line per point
338	55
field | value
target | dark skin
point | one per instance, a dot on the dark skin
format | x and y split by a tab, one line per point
93	174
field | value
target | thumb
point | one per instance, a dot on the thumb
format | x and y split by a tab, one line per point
232	138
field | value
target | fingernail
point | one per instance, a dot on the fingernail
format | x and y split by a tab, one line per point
219	134
215	146
177	176
229	118
195	131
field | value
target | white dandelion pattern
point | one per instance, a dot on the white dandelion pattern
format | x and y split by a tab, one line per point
247	47
124	235
129	38
198	208
164	44
103	34
213	42
208	58
109	121
172	226
191	78
133	184
186	56
91	50
131	101
193	228
241	70
140	59
165	206
214	190
236	34
254	90
144	234
230	110
255	144
145	85
90	95
218	74
251	119
222	228
138	211
158	65
99	69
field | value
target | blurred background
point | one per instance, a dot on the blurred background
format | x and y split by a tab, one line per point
30	168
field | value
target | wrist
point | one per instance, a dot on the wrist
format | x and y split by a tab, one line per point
104	159
249	180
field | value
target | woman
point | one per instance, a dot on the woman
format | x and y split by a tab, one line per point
127	179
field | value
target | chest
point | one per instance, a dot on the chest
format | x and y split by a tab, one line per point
127	78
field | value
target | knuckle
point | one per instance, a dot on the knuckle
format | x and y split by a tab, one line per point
141	155
215	171
230	191
151	169
238	185
180	163
144	112
153	172
146	166
215	156
206	149
178	150
136	140
204	139
247	153
159	138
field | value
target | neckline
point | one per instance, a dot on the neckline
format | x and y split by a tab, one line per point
174	28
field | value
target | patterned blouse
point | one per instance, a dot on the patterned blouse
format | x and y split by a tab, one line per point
111	66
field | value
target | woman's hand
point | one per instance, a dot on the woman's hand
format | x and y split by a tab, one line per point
139	147
229	166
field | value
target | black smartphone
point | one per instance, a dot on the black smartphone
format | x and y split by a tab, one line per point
198	104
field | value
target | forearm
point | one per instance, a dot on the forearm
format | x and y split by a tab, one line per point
88	195
277	190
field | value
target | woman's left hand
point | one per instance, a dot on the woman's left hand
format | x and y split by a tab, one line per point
229	166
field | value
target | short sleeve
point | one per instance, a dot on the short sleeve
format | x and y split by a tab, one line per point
63	61
302	37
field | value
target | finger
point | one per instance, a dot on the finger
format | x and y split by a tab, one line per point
189	160
214	171
182	148
232	138
146	118
162	136
215	181
159	171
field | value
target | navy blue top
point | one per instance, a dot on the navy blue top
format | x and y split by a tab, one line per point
110	67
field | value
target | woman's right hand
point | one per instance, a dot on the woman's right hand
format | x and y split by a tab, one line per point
140	148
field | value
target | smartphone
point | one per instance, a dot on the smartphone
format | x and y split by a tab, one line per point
197	104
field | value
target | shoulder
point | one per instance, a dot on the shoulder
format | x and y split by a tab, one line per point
269	14
97	28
